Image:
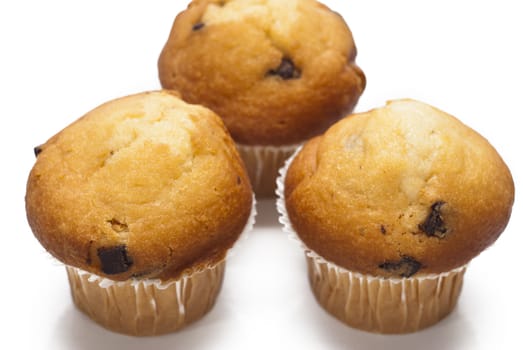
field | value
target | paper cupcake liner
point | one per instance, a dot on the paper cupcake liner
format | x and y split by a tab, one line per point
375	304
145	307
263	163
142	308
384	305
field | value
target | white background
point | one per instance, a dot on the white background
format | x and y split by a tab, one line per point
59	59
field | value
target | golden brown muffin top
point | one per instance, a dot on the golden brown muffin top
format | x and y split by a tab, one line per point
399	190
142	186
277	72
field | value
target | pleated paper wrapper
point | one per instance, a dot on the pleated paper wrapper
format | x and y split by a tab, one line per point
263	163
147	307
370	303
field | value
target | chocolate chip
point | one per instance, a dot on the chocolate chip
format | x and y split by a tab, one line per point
114	260
383	230
37	150
198	26
287	70
433	224
238	180
406	267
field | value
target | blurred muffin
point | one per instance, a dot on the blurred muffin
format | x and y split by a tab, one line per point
141	198
391	205
277	72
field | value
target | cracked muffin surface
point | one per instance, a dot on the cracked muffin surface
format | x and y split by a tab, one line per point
277	72
398	191
142	186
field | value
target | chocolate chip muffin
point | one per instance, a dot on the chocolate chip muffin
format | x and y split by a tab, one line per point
140	198
277	72
391	205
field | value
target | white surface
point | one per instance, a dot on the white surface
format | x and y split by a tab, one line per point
61	58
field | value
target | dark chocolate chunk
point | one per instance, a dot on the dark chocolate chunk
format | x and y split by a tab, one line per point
198	26
287	70
406	267
37	150
383	230
114	260
433	224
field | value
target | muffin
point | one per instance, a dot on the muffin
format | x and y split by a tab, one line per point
391	205
141	199
277	72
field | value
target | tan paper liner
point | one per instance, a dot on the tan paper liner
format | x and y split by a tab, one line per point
142	308
146	307
263	163
375	304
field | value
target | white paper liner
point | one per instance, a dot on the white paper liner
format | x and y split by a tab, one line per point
420	300
280	201
262	164
104	282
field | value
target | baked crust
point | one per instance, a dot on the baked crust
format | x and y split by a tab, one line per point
277	72
399	190
142	186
